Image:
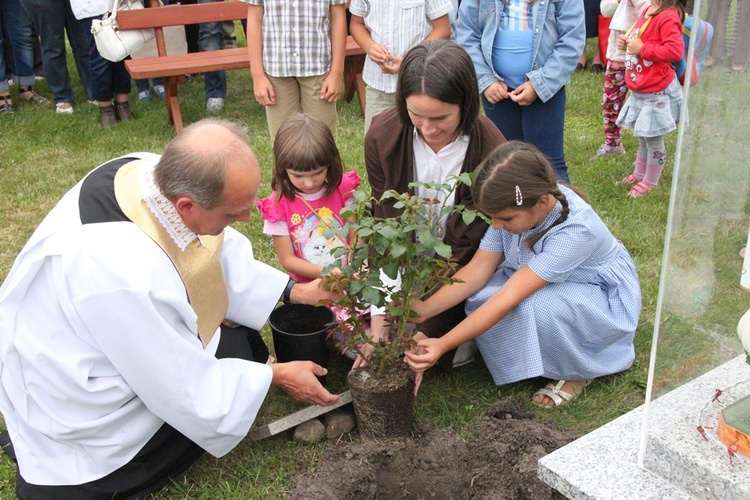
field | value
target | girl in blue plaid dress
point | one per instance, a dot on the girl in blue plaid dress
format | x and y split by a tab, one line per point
550	292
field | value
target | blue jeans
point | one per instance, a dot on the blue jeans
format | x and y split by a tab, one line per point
52	19
540	123
211	37
107	78
21	39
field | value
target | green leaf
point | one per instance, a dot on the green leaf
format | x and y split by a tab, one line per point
397	250
443	250
373	296
468	216
389	232
356	286
391	270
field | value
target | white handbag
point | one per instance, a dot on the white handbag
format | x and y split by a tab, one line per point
112	43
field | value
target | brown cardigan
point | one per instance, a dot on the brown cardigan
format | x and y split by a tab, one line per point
389	158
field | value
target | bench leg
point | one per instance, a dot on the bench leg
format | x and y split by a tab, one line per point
173	105
353	82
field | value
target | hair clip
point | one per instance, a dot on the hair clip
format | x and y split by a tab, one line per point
519	196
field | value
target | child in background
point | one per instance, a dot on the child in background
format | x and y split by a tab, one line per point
524	52
623	13
297	58
651	45
550	292
310	189
386	30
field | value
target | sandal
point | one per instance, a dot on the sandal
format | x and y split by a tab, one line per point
559	397
28	95
6	105
631	179
640	189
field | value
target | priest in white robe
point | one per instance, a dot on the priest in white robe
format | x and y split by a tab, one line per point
121	361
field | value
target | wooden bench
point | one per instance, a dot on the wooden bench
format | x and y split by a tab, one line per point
173	68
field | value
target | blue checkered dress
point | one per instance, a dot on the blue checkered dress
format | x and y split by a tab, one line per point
581	325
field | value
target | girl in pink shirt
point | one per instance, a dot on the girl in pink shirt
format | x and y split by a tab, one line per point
310	189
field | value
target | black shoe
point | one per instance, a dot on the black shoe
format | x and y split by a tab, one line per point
122	110
107	116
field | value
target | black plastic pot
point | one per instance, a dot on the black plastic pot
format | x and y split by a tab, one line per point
300	333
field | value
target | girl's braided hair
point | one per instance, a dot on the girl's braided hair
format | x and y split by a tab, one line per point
517	175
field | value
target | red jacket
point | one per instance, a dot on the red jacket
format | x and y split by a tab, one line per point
651	70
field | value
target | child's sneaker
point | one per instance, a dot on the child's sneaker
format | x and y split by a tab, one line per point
159	91
606	150
64	108
144	95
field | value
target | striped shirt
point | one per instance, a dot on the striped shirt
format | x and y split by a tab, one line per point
296	36
398	25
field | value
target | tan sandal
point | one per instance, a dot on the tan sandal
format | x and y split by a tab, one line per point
557	395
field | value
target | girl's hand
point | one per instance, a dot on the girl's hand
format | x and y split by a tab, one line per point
622	42
496	92
378	53
634	46
331	89
418	350
263	90
425	354
524	94
392	65
364	356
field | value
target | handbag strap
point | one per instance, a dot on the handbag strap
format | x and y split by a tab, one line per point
111	10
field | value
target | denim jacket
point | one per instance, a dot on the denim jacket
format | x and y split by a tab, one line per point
558	41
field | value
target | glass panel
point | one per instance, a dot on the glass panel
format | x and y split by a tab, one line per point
701	294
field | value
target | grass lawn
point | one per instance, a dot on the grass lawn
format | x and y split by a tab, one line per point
42	155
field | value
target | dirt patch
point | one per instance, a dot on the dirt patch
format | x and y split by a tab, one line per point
497	459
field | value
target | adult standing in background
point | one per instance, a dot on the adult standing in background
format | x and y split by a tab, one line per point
524	52
52	20
719	16
109	80
20	39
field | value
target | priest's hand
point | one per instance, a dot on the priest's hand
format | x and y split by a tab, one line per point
312	294
297	378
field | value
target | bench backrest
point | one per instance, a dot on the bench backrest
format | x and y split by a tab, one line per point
178	15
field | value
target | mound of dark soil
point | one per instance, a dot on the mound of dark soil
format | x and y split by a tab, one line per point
497	459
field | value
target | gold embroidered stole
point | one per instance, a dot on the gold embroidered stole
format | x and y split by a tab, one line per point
198	264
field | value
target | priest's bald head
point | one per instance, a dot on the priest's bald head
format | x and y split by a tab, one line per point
210	174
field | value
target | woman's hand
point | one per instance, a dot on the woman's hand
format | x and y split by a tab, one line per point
496	92
524	94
